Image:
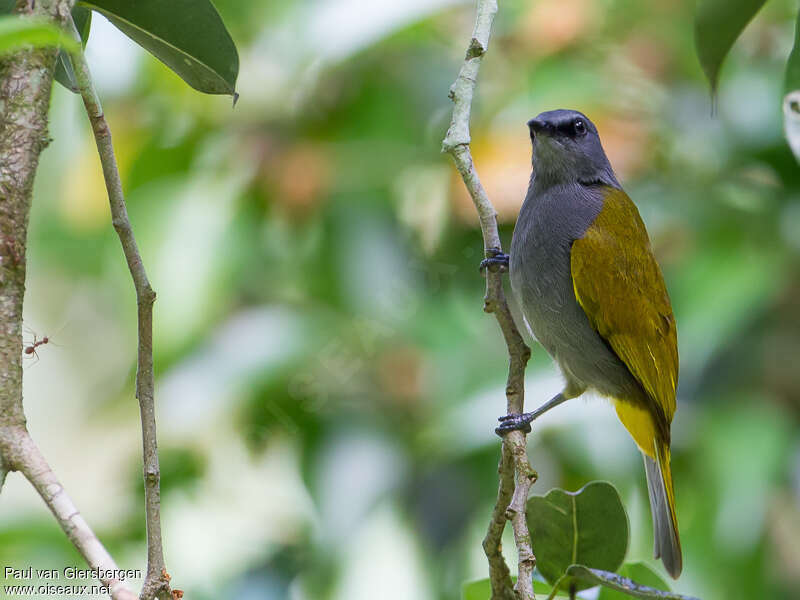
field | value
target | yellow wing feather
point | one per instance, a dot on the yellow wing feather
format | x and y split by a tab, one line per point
621	289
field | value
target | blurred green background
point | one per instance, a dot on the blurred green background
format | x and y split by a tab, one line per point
327	381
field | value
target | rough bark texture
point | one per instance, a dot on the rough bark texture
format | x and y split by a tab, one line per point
515	471
25	83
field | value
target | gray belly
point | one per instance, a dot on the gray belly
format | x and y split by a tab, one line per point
541	280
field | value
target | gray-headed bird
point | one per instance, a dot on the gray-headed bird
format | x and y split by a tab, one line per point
592	294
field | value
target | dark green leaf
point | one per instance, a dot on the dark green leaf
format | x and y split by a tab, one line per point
481	589
717	25
83	22
186	35
7	6
16	33
594	577
588	527
65	74
639	572
476	590
792	78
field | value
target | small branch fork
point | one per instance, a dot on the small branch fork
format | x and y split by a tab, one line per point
515	471
156	584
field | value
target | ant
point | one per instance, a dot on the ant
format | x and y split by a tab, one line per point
30	348
36	343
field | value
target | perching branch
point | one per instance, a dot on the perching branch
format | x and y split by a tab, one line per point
516	473
25	82
156	584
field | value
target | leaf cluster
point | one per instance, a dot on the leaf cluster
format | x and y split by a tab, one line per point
186	35
580	540
718	24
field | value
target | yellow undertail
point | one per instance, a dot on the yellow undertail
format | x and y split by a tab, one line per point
639	423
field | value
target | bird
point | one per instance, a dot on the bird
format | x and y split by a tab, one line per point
591	292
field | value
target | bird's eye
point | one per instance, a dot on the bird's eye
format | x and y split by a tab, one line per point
580	127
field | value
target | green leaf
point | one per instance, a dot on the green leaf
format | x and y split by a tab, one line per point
186	35
481	589
65	74
16	33
639	572
791	81
607	579
588	527
476	590
717	25
83	22
7	6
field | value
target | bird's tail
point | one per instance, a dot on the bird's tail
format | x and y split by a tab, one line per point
662	506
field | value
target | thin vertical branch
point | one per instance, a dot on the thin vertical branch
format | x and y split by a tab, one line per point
156	582
515	471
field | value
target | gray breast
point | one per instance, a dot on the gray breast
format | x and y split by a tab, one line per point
549	222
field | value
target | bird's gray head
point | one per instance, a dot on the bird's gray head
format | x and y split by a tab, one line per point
567	149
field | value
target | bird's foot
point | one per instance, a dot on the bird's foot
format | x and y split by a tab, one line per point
495	261
514	423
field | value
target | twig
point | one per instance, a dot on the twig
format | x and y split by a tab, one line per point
499	574
25	82
156	583
30	462
514	464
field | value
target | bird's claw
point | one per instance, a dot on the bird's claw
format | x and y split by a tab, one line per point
496	261
514	422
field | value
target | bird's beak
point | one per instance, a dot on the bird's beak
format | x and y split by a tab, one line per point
539	126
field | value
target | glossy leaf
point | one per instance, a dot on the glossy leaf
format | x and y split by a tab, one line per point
589	527
64	73
639	572
481	589
717	25
791	80
592	577
16	33
186	35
